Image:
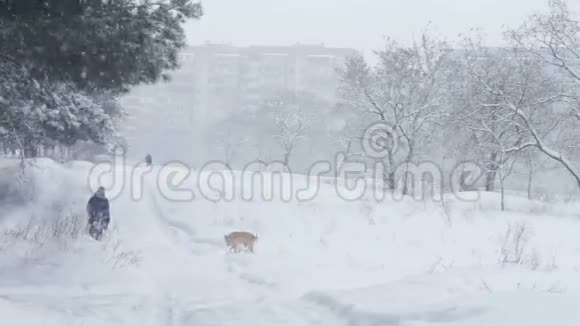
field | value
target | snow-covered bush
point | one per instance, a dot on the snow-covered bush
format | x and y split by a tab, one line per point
38	239
43	233
515	245
118	258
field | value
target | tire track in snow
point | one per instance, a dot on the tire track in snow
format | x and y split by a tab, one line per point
267	311
235	266
354	316
113	309
184	232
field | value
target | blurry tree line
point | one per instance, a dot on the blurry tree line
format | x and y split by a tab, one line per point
509	109
63	64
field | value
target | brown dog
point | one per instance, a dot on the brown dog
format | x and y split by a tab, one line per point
236	239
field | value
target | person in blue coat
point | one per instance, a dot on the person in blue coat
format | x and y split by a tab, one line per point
98	211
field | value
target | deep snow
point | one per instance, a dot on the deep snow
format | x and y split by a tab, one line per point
323	262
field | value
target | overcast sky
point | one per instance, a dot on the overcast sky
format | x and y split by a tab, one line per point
360	24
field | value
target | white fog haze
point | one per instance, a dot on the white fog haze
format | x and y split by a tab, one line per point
360	24
204	111
290	162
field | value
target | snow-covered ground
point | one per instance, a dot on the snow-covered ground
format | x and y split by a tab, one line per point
327	261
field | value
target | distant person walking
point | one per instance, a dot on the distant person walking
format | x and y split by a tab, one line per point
148	160
99	214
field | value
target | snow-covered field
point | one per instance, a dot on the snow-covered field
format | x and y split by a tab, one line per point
323	262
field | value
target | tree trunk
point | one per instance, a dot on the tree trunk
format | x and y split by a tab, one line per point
406	179
389	180
491	173
405	186
30	151
286	159
462	182
530	178
408	159
501	180
490	180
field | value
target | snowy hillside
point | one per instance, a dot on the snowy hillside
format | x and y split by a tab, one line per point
322	262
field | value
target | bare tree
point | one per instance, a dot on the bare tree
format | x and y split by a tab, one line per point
347	135
511	103
292	126
482	112
288	111
404	90
553	39
230	144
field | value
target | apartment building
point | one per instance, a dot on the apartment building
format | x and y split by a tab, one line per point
227	78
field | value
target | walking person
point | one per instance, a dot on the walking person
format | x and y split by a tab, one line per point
99	214
148	160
